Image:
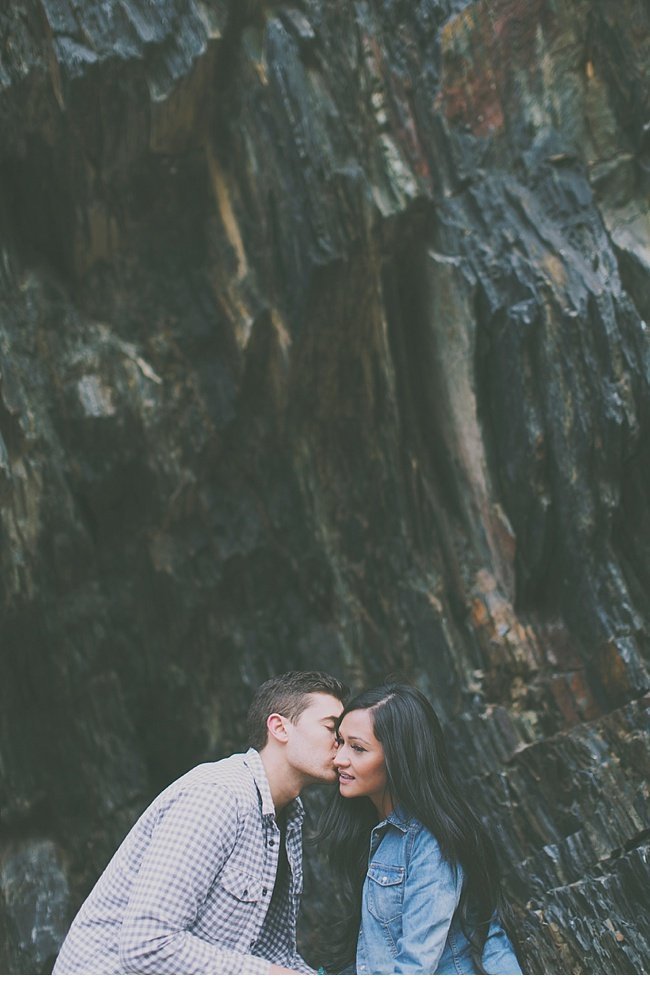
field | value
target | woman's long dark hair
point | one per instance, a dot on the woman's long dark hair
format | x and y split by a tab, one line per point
420	784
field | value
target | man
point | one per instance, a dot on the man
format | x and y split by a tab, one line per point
209	879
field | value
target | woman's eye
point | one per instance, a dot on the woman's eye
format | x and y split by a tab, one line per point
355	747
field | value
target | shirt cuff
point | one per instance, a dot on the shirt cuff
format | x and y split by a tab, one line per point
253	965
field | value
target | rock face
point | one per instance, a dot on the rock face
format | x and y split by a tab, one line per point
324	343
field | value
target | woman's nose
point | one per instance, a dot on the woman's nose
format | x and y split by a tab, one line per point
340	758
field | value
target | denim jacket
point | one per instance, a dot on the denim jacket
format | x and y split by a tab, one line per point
409	921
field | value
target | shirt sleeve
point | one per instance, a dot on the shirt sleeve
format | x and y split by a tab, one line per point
431	895
189	845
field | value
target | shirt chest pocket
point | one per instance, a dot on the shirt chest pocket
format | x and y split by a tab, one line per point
230	908
385	891
241	886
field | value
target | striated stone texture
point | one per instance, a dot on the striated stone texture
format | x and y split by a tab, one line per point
35	896
324	343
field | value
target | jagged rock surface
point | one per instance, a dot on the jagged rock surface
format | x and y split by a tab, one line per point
324	343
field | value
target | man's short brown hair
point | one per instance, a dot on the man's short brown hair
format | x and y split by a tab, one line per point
287	695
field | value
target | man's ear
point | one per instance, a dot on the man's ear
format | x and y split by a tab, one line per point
275	725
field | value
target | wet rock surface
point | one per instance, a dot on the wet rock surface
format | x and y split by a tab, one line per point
36	901
324	343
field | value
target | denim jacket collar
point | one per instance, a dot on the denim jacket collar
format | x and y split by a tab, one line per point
398	818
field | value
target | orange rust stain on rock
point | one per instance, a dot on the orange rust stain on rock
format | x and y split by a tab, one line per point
584	699
480	614
468	103
481	48
555	269
613	671
573	698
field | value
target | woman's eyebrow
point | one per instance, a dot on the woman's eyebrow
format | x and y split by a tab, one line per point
354	737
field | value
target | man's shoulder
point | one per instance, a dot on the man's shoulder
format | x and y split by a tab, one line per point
232	774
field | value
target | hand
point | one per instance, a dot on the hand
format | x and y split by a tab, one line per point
278	969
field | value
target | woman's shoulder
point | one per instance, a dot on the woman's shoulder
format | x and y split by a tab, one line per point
426	856
425	845
420	852
423	836
419	833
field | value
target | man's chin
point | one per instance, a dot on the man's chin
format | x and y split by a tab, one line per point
322	780
331	778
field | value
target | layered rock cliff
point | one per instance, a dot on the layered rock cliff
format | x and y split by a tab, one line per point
324	344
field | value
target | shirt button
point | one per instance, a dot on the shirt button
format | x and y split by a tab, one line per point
245	891
271	843
264	891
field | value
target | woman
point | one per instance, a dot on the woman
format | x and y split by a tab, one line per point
416	868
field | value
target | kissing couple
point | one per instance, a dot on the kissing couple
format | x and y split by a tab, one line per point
209	879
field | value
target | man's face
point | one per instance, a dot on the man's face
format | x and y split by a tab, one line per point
312	739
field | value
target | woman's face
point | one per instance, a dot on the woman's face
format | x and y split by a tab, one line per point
360	761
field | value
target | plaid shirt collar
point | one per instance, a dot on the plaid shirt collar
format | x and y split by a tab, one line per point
295	809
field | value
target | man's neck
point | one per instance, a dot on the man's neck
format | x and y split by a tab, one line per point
283	782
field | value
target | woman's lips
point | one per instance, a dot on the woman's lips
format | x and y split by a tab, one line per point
343	778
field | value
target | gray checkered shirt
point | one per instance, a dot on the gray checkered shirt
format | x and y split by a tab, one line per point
189	890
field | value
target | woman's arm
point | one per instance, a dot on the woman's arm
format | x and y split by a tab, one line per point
431	894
